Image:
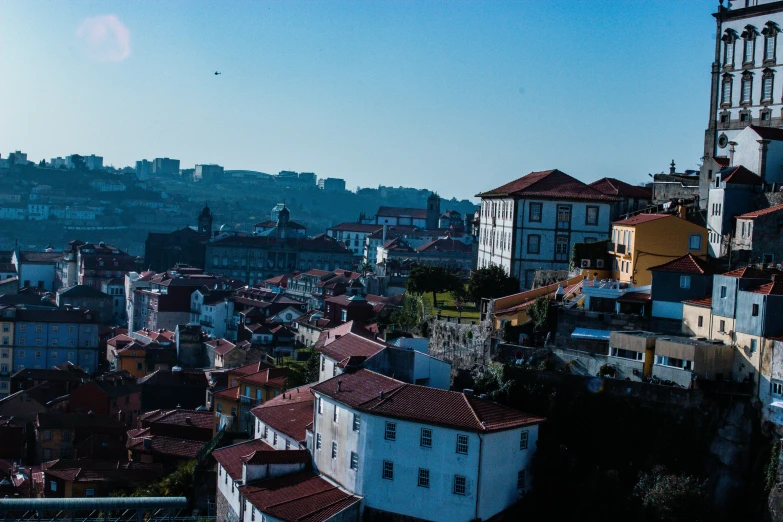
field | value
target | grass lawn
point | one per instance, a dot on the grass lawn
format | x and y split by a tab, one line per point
447	308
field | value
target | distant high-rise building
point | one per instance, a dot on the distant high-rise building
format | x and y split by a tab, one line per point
308	178
331	184
210	172
143	169
165	167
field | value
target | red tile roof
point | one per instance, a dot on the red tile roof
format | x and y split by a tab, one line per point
271	377
687	264
102	471
181	417
349	344
230	457
634	297
750	272
289	413
357	227
740	175
641	218
445	245
161	445
761	212
300	497
295	456
251	368
362	389
221	346
615	187
549	184
773	288
705	301
768	133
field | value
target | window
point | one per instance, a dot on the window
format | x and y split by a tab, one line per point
755	310
22	328
533	244
424	478
766	87
318	441
753	345
425	439
38	328
344	315
388	470
747	86
354	461
356	422
47	435
694	243
55	329
728	52
462	444
274	439
777	388
535	213
700	321
748	48
334	450
320	406
561	245
673	362
591	217
769	48
722	326
53	486
390	433
685	281
563	214
460	484
287	444
523	437
521	479
723	292
336	415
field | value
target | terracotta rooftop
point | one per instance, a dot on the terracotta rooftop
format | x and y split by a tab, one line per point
348	345
768	133
705	301
549	184
371	392
272	377
740	175
761	212
162	445
445	245
102	471
230	457
300	497
615	187
417	213
179	416
357	227
640	218
687	264
634	297
750	272
250	368
289	413
773	288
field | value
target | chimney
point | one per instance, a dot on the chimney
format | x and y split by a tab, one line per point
147	443
732	144
381	395
340	384
384	233
188	420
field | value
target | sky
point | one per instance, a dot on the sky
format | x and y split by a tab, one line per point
455	96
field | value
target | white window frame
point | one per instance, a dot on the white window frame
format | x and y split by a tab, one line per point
390	431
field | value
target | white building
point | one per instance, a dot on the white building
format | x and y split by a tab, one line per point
214	311
531	223
116	289
421	452
282	421
135	299
353	235
37	212
746	84
108	185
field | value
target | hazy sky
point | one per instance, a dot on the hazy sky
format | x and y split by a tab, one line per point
455	96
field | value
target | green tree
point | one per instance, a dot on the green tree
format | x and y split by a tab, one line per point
312	366
365	268
431	278
491	282
460	295
539	313
672	498
407	315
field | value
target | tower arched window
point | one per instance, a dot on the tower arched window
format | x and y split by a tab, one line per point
725	96
729	41
749	44
746	96
767	78
770	33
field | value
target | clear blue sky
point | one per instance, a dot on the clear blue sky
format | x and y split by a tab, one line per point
455	96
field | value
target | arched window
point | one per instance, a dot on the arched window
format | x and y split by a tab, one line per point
770	33
767	77
746	96
729	39
749	44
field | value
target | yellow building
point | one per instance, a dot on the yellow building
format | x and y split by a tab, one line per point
647	240
697	317
131	357
7	315
249	386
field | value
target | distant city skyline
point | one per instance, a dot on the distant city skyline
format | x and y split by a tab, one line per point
451	96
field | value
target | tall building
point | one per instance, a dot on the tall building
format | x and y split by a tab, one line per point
165	167
143	169
744	91
210	172
531	223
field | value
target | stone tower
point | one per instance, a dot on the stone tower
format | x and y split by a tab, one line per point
433	211
205	221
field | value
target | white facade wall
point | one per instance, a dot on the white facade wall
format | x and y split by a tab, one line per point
490	466
229	489
328	368
282	438
507	242
437	372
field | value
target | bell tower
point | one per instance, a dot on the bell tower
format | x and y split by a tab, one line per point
433	211
205	221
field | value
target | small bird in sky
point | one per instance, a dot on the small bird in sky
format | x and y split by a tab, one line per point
217	72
